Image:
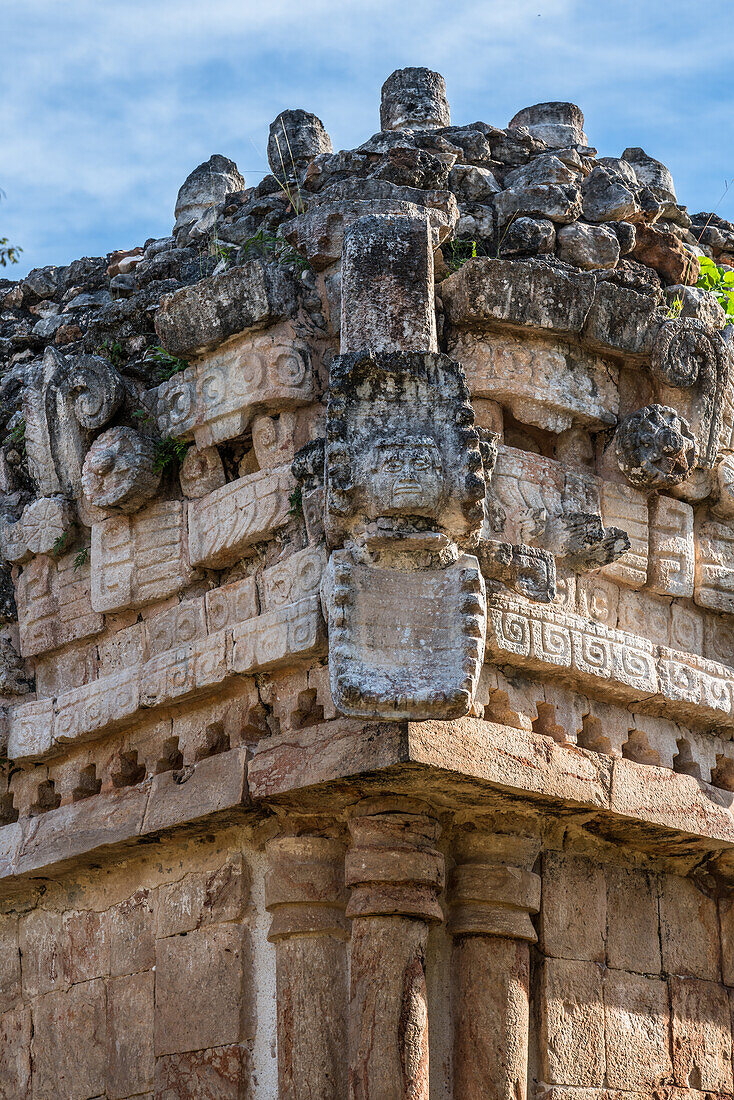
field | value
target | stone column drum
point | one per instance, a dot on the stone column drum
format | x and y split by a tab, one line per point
304	892
396	874
492	894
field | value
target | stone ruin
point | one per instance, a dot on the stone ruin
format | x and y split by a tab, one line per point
367	667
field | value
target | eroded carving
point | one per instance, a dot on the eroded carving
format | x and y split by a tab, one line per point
655	448
119	471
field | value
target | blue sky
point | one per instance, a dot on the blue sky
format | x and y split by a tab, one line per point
105	107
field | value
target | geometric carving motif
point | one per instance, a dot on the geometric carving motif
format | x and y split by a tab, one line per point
625	507
216	398
714	585
404	644
53	599
139	558
672	553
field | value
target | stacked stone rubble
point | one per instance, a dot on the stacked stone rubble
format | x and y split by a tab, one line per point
367	657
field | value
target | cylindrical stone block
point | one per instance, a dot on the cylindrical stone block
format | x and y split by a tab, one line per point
304	891
396	874
387	291
414	99
491	899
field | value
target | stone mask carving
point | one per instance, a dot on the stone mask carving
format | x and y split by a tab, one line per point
655	448
404	476
119	470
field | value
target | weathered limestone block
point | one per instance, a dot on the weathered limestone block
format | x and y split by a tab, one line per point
589	247
691	367
216	398
404	643
318	234
47	523
224	524
196	318
204	897
210	971
130	1022
119	470
54	608
278	637
189	669
230	604
140	558
305	893
387	286
178	626
551	385
527	570
396	873
624	506
202	471
205	187
401	443
724	506
31	729
63	1063
295	138
85	712
650	172
13	545
633	939
696	690
492	893
488	293
637	1031
714	583
16	1029
689	930
574	914
622	320
572	1023
274	439
414	99
702	1045
655	448
672	557
557	124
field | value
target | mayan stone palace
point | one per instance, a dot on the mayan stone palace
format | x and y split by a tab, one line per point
367	644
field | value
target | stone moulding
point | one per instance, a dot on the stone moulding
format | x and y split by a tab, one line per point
284	636
612	664
216	398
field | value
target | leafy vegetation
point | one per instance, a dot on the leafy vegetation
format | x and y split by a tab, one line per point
17	436
169	452
296	502
112	350
168	364
267	246
81	558
9	253
720	280
60	544
294	196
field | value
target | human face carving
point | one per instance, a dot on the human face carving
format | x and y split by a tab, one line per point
405	477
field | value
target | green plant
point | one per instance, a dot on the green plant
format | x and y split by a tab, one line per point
82	558
169	452
720	280
222	251
267	246
505	231
675	307
60	544
17	436
296	502
143	416
456	253
168	364
112	350
9	253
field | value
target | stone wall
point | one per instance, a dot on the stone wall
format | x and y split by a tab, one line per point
366	655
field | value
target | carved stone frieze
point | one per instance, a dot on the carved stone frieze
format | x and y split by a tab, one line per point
54	606
216	398
223	524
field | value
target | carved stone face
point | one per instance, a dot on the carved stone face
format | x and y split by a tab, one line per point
119	470
655	447
405	477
